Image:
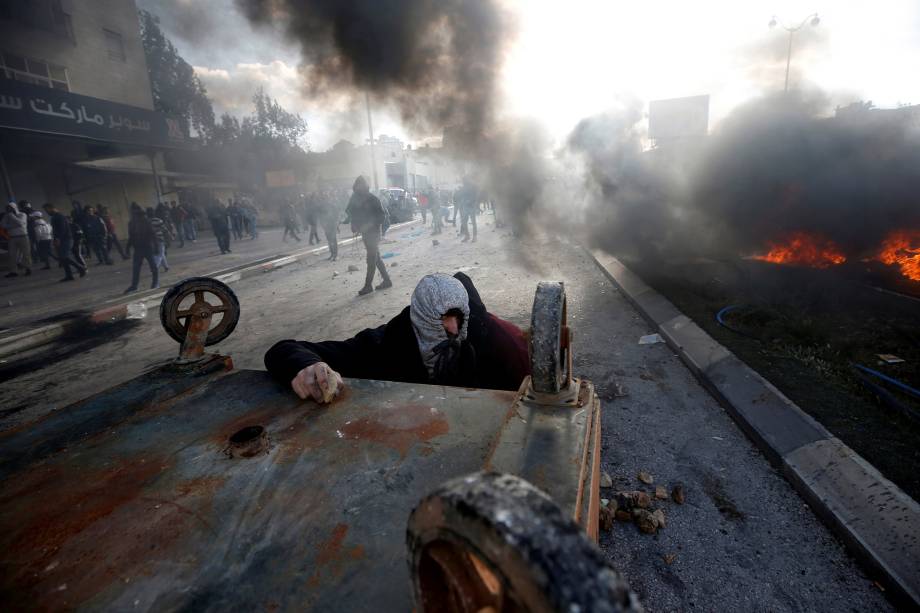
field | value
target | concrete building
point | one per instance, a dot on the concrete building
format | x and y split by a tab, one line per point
397	165
76	109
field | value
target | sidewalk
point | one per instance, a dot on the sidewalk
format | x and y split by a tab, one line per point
41	298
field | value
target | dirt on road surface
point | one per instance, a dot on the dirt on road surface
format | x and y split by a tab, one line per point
742	541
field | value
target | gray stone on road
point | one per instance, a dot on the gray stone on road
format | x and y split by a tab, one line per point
742	541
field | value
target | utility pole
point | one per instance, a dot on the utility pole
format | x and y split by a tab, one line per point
370	130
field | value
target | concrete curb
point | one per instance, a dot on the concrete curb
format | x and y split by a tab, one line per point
873	516
114	310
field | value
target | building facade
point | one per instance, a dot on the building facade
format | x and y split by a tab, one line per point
76	108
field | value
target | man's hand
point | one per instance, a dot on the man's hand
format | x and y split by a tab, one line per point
317	381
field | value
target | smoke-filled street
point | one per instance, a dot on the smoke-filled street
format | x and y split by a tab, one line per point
467	306
740	516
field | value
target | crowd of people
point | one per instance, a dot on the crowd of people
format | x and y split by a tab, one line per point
73	239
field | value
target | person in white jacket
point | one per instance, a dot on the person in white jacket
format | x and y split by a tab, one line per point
16	225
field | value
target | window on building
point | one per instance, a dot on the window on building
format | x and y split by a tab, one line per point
61	22
115	45
34	71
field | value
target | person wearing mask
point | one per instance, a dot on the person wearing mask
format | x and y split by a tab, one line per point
96	236
43	238
15	224
367	218
446	336
111	236
62	241
161	237
142	239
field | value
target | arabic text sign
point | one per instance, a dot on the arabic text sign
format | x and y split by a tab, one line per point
41	109
678	117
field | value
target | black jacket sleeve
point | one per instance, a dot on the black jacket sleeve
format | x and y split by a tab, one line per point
358	357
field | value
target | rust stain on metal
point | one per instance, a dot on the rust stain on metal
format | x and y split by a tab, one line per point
332	556
398	428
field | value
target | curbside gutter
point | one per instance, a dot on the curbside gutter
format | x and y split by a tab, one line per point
875	519
18	340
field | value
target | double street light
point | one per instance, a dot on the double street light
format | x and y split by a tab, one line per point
812	19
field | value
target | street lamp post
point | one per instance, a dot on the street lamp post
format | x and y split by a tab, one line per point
812	19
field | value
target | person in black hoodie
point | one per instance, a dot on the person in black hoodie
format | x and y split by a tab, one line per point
63	242
367	218
142	238
445	337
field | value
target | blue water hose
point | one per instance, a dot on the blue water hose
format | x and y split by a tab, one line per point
902	386
721	321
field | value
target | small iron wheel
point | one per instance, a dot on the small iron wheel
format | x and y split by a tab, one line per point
175	317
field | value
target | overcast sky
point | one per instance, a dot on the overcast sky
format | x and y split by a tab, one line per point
575	58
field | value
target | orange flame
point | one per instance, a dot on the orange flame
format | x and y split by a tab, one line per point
902	247
803	249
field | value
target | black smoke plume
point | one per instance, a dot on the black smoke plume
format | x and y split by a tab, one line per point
437	60
776	166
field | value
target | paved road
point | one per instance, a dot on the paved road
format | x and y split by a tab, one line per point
26	299
744	541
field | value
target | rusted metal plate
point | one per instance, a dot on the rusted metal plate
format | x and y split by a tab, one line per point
138	498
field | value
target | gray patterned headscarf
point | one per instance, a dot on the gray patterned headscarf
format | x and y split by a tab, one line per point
434	296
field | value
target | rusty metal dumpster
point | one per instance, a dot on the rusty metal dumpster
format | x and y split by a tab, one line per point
200	487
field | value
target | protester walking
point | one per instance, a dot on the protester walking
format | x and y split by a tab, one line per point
161	236
468	202
142	238
177	214
220	224
367	217
236	219
15	224
62	237
289	219
96	236
43	238
328	215
191	222
111	237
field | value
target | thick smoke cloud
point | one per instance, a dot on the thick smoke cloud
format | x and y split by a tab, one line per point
776	166
438	61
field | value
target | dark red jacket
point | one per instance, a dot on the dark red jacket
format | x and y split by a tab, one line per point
493	356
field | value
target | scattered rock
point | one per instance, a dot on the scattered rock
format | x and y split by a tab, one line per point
646	478
623	516
658	514
605	519
661	492
434	243
645	521
335	274
677	494
394	264
606	481
632	500
352	268
669	558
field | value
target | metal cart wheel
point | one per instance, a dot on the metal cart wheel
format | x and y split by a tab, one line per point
550	350
172	313
494	542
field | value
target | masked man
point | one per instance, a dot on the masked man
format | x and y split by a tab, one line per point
444	337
